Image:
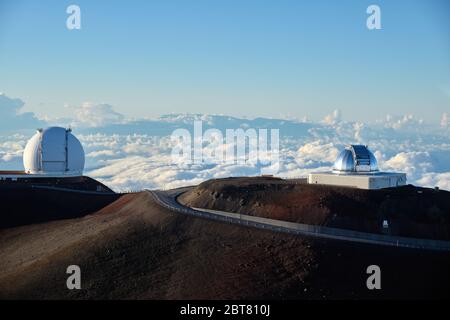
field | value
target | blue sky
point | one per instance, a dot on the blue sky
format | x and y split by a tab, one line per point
239	57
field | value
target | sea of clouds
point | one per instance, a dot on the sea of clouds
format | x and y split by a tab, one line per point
130	155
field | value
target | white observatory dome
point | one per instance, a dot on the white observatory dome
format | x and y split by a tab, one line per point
354	159
54	151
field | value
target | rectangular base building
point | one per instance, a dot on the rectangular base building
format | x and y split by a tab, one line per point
376	180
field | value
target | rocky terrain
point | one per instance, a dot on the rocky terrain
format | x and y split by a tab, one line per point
135	249
47	199
411	211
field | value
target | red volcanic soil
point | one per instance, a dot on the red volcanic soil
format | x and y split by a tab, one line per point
135	249
411	211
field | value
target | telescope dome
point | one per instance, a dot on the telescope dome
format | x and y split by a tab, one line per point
54	151
355	158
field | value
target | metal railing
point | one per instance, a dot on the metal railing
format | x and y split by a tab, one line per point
169	202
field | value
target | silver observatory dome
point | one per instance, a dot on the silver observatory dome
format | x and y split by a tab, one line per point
355	159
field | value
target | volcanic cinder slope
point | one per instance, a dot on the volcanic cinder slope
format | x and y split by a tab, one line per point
133	248
30	201
411	211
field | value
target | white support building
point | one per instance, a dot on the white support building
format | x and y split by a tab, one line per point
357	167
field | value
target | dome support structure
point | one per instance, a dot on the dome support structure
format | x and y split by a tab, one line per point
66	147
357	167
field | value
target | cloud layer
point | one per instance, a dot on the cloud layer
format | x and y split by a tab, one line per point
133	155
136	161
95	115
12	117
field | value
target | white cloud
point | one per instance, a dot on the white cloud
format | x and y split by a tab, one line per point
95	115
402	122
137	161
333	118
12	117
101	153
358	127
315	153
432	179
413	163
445	120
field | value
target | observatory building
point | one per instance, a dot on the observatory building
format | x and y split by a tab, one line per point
53	157
51	152
54	152
356	166
52	185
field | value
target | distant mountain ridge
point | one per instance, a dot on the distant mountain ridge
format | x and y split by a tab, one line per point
166	124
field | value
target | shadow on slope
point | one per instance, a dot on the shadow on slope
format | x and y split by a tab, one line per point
135	249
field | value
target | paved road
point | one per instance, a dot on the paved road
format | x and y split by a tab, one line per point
168	199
